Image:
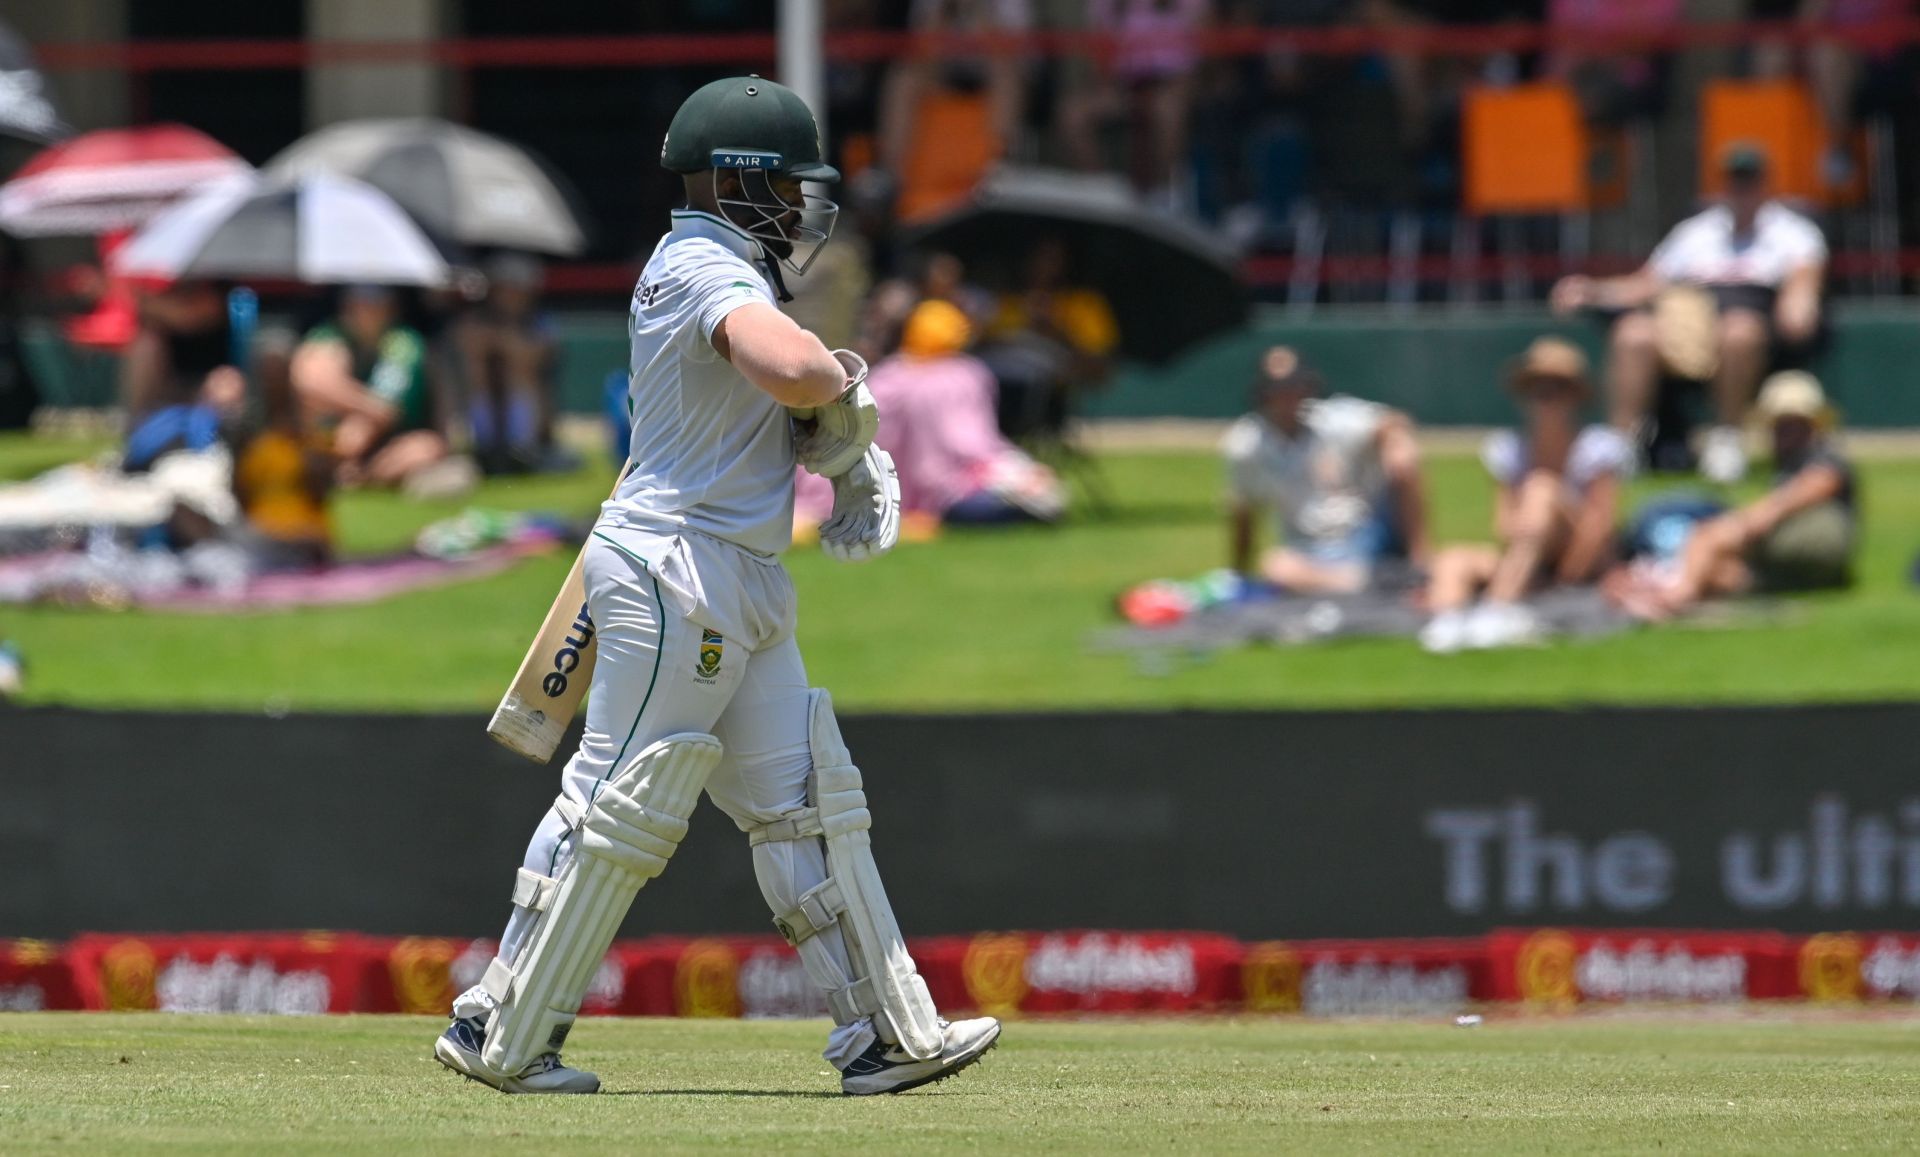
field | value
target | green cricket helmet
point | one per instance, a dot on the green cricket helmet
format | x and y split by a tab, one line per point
757	130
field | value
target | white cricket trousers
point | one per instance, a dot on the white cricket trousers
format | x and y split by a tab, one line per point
696	634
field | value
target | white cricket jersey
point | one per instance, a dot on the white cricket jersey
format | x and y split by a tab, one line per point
1704	250
711	451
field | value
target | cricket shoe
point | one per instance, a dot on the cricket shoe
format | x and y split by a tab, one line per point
885	1068
459	1049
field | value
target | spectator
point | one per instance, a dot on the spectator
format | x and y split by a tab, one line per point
883	315
943	277
1342	475
1799	536
1763	265
1554	511
1048	343
938	422
508	355
999	76
282	474
1613	89
182	353
1146	84
1848	77
361	381
1427	85
180	378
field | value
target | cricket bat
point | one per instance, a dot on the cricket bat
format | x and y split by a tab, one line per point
546	692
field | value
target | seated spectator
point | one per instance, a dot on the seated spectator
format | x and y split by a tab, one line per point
180	376
937	420
943	277
1342	475
932	74
1614	89
1848	77
1428	85
1763	265
1554	511
1145	85
1047	344
1799	536
282	474
361	382
507	357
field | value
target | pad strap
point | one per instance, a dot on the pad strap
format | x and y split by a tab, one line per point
569	811
819	909
533	890
799	825
497	981
854	1001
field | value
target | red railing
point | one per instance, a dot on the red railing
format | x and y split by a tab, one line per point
869	45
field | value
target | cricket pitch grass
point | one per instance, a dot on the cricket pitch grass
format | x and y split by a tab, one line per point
1760	1080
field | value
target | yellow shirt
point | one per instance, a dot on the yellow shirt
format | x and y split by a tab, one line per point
1082	316
271	481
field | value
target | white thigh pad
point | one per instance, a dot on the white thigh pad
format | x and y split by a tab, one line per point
888	987
623	839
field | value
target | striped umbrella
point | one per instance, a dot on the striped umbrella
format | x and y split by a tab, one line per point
322	229
112	179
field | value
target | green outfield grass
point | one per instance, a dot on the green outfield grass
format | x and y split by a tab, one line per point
149	1083
979	620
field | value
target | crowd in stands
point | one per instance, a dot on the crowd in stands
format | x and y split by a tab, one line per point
1247	142
423	392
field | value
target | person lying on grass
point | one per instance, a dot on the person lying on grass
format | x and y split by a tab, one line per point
1799	536
1554	512
1342	476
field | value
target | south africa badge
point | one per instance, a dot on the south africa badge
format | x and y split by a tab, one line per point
712	648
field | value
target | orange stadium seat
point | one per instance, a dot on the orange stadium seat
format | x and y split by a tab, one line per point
1525	150
954	144
1777	115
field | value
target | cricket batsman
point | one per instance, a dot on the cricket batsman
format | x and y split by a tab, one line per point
699	684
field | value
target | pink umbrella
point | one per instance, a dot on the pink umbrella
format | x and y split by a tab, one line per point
112	179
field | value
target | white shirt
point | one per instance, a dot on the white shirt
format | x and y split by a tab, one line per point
711	451
1597	451
1324	483
1702	250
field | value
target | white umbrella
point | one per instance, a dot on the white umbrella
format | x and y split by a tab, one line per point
320	228
462	184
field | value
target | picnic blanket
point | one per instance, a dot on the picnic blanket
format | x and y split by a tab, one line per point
210	579
1220	613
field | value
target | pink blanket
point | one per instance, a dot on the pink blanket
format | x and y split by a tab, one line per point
60	577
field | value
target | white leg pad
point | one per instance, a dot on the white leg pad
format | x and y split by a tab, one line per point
889	987
625	838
